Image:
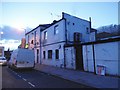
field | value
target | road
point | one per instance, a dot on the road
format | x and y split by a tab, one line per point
34	79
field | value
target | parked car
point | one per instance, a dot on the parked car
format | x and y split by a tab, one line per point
3	61
22	58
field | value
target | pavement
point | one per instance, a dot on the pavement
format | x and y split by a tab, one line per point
82	77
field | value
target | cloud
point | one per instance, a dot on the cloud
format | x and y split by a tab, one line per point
11	37
11	33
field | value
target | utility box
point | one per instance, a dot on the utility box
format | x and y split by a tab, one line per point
100	70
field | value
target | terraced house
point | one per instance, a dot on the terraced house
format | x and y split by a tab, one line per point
56	44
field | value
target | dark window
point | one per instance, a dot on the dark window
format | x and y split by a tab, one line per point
57	54
44	55
32	42
49	54
73	23
87	30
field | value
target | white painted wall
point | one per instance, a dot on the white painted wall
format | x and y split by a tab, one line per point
80	26
106	54
53	61
53	38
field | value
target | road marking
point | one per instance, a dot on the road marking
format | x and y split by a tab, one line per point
24	79
19	76
31	84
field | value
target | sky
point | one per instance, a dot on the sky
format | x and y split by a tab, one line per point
30	14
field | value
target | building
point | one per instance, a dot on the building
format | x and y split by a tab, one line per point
57	43
102	56
33	40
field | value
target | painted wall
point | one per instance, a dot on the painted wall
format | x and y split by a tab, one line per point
35	36
75	24
53	62
106	54
51	37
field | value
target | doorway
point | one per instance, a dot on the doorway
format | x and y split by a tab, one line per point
37	55
79	57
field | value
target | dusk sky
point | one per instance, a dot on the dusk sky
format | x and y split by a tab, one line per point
30	14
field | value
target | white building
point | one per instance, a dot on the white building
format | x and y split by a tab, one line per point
57	43
33	40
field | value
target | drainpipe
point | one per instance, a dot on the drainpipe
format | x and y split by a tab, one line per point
65	43
40	46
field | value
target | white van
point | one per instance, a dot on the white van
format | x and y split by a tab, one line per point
22	58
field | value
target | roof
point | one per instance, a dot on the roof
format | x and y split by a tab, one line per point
93	30
53	23
42	27
103	35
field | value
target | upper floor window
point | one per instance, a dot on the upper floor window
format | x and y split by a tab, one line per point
87	30
45	35
56	30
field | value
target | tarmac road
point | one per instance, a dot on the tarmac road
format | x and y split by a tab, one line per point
34	79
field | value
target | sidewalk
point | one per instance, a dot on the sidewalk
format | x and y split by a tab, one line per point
85	78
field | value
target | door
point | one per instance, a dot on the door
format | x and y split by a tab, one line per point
70	57
79	57
37	55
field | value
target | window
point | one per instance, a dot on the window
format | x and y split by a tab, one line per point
87	30
44	55
32	42
56	29
57	54
45	35
49	54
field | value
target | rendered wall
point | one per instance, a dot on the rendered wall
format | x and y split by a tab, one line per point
106	54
